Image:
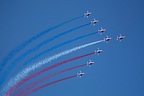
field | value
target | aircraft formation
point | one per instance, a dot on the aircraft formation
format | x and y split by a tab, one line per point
10	87
106	39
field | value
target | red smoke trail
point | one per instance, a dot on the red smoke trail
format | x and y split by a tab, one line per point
43	70
48	84
33	84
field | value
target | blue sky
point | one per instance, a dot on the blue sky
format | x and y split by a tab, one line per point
118	71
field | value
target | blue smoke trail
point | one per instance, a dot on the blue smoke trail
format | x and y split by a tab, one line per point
26	43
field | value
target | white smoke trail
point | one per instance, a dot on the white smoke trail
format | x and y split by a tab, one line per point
27	70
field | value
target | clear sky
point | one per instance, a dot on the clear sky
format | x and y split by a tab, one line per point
118	70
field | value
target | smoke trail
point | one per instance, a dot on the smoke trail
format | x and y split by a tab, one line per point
46	69
33	84
27	42
50	49
27	70
41	44
47	84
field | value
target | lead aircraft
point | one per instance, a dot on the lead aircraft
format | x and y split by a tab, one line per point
87	14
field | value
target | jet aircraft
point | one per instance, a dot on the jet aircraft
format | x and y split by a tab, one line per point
93	22
80	74
120	37
90	63
87	14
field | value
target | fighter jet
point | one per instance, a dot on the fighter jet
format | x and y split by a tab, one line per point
90	63
93	22
80	74
87	14
107	39
98	51
101	30
120	37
